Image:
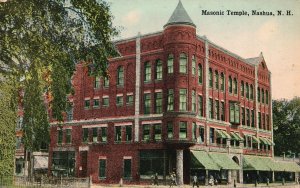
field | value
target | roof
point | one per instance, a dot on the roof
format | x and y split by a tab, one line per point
180	16
255	60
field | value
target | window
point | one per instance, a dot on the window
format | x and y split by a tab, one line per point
210	77
234	110
147	103
263	121
242	88
118	134
95	134
200	105
235	87
194	101
18	144
85	135
153	161
146	132
69	114
87	103
210	108
247	90
216	79
120	100
96	103
200	74
252	118
102	168
97	82
182	99
267	122
194	130
183	63
170	100
211	135
258	94
193	65
262	95
222	111
259	120
217	110
157	131
64	160
251	92
230	84
182	129
147	70
267	97
120	76
20	121
158	73
128	132
158	103
129	100
105	101
106	82
68	136
59	136
104	134
243	116
170	63
222	82
127	168
201	134
170	130
248	117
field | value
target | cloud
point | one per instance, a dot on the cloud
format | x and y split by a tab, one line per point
132	17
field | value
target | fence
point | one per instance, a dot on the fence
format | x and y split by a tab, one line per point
46	182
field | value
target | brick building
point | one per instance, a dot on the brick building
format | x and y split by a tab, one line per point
174	102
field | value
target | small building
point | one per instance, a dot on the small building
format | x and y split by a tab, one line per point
174	101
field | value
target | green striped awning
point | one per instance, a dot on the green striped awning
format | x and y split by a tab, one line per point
257	163
226	134
264	141
255	140
234	136
220	134
200	159
288	166
240	137
224	161
270	142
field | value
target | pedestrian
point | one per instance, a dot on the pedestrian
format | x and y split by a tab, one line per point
175	179
171	180
211	181
195	180
156	179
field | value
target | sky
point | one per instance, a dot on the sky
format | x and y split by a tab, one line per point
277	37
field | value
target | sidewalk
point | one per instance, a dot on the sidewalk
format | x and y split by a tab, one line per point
287	185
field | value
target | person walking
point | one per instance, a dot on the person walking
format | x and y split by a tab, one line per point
195	180
156	179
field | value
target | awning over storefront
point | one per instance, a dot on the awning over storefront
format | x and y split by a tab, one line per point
257	163
200	159
224	161
236	136
287	166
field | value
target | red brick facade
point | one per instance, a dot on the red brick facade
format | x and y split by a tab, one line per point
175	40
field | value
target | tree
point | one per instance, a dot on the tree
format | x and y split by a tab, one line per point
286	124
8	114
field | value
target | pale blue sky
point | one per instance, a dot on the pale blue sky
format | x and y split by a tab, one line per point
278	37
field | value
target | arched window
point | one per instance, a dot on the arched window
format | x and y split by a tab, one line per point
200	74
147	71
267	97
235	87
217	79
247	91
222	81
158	71
251	91
120	76
193	65
170	63
183	63
258	94
210	78
262	96
242	88
230	84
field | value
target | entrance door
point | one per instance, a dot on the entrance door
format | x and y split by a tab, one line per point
83	164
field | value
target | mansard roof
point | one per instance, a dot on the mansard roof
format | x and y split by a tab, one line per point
180	16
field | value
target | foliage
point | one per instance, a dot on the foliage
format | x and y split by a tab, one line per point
286	125
35	120
8	116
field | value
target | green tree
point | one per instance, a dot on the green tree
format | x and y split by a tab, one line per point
8	114
286	125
